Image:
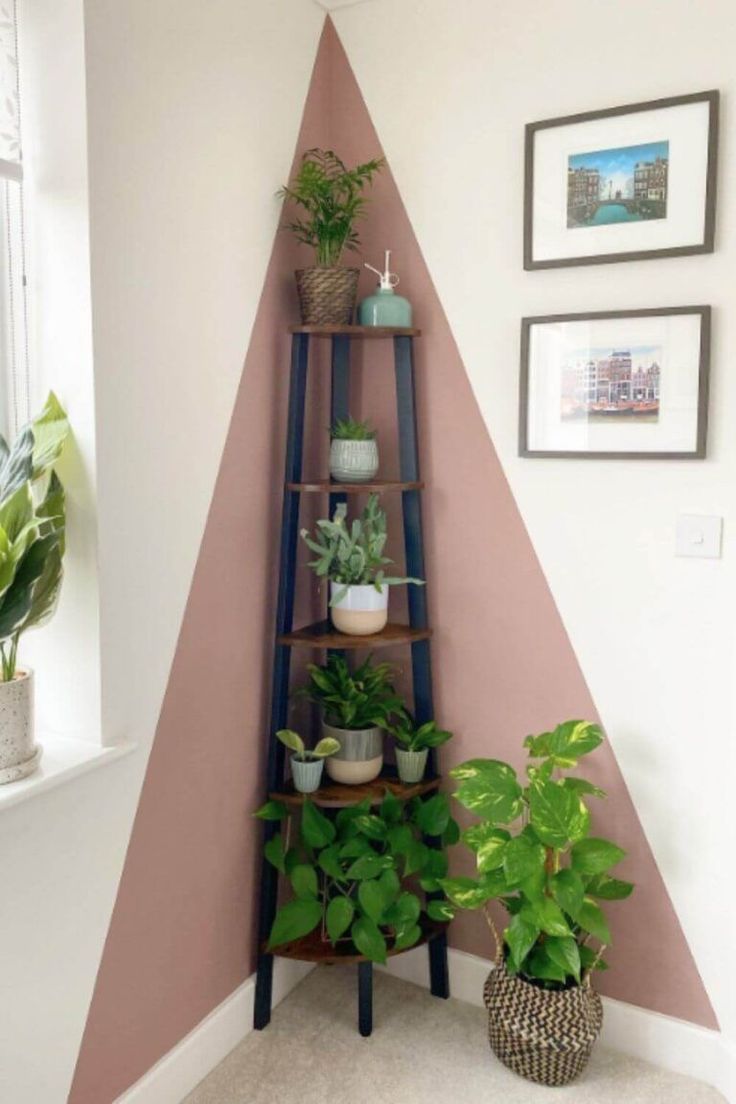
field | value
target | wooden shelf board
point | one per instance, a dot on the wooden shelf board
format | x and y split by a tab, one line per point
336	795
323	635
312	948
326	486
356	331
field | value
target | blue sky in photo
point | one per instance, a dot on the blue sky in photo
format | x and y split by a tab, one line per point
600	352
616	166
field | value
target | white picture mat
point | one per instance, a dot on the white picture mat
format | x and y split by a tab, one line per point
553	344
685	127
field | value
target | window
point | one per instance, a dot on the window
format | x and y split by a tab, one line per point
14	368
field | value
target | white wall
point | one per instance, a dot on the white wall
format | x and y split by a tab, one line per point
450	86
182	171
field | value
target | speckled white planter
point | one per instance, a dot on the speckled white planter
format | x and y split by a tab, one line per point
19	756
353	461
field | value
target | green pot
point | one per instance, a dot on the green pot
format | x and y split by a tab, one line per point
411	764
306	774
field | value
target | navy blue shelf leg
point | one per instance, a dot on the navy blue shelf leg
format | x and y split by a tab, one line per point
282	662
418	618
339	394
365	998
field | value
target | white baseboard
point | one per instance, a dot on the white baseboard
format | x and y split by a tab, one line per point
179	1071
662	1040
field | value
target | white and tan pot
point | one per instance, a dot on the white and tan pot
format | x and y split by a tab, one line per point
360	757
19	756
361	611
353	461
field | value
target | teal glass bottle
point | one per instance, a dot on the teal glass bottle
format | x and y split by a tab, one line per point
384	307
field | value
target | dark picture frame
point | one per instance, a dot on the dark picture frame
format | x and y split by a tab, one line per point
699	451
711	97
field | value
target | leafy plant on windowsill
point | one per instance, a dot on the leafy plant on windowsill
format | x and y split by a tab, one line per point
362	699
293	741
353	556
32	520
347	429
330	194
413	737
350	876
534	854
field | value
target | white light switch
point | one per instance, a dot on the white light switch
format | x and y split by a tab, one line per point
698	535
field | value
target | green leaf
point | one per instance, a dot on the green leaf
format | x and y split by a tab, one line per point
581	786
434	815
304	881
273	849
488	843
416	857
540	965
565	953
547	916
329	861
390	809
16	511
326	747
408	908
451	834
346	816
588	956
594	856
317	830
291	740
520	935
372	899
17	468
591	919
339	916
356	847
573	739
466	893
400	839
568	890
557	814
407	937
489	788
50	430
272	810
371	826
522	859
291	859
369	939
608	889
293	920
368	866
440	910
390	884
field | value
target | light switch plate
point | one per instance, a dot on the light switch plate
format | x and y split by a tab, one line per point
698	535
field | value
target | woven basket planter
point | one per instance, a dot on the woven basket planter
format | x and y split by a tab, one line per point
544	1035
327	295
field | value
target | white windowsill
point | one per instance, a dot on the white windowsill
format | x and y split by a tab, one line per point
63	759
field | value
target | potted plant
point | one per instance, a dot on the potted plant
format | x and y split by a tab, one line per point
355	878
353	451
306	766
31	549
353	561
535	854
355	708
331	198
412	745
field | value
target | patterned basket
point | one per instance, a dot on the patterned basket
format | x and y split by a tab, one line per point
327	295
543	1035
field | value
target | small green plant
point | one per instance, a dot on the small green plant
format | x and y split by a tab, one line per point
293	741
356	876
414	737
330	195
32	520
347	429
353	556
547	870
362	699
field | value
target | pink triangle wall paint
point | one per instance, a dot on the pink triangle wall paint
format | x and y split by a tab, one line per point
182	932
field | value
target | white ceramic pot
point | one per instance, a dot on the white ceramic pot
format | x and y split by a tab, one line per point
353	461
411	764
362	610
360	757
19	756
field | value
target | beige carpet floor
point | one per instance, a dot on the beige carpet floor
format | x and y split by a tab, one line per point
422	1050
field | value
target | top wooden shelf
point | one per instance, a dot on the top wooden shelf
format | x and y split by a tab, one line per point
356	331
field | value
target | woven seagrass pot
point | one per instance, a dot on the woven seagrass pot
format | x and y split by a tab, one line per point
542	1034
327	295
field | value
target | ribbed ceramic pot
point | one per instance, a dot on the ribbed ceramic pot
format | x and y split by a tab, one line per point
306	774
361	611
360	757
19	756
353	461
411	764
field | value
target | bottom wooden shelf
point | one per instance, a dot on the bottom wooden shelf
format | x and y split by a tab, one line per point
312	947
335	795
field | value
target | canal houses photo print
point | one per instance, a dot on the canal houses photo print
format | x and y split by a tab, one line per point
615	384
624	183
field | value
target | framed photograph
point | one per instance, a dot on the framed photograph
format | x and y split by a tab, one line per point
624	184
615	384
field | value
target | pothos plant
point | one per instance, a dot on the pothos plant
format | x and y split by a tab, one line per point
353	555
416	737
32	519
355	877
535	854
